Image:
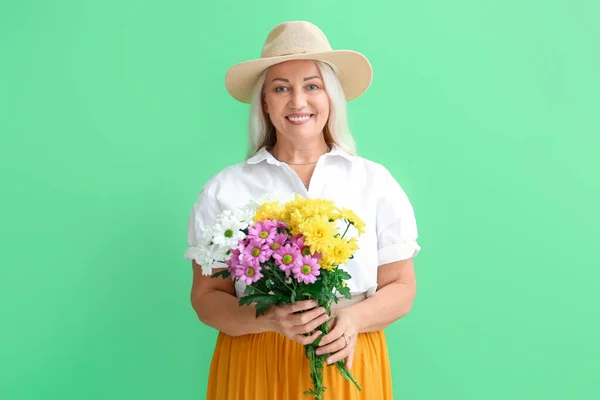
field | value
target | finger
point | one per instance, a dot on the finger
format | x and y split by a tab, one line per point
333	335
303	305
350	359
332	347
308	316
340	355
307	339
331	321
311	325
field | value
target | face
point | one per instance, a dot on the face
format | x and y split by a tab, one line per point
295	99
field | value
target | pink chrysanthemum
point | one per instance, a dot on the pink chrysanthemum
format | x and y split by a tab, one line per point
298	240
234	261
287	257
308	270
248	273
281	225
256	252
279	240
263	232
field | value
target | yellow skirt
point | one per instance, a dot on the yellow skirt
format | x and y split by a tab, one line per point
269	366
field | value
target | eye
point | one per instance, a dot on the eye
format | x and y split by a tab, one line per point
281	89
312	87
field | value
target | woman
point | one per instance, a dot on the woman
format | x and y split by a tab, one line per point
300	143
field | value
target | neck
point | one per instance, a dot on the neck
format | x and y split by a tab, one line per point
300	153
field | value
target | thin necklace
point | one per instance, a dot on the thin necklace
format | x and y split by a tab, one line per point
308	163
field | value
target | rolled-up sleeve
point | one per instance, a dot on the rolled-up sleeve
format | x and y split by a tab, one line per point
396	223
202	217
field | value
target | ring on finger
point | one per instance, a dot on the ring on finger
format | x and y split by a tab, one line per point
347	337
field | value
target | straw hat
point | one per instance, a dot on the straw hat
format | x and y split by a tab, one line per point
300	40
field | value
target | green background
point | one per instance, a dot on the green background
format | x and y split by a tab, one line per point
113	114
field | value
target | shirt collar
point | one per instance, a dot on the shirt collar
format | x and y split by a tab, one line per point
264	155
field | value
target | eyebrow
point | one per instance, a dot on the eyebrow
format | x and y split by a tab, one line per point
305	79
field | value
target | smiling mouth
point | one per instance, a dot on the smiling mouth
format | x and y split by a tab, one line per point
299	119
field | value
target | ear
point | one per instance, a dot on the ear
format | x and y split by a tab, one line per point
265	107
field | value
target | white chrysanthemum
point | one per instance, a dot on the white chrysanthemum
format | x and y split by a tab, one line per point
213	247
227	232
199	254
219	253
205	238
225	214
251	206
219	264
212	256
206	269
245	216
192	253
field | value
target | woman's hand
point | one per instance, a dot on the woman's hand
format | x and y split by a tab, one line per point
346	322
282	319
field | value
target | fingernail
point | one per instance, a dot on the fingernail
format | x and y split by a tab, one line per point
318	351
329	361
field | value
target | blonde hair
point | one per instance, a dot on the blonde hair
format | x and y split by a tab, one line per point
261	131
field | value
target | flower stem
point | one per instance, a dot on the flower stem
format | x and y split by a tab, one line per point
316	373
276	273
346	231
317	362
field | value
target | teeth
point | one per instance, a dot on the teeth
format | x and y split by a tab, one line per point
299	119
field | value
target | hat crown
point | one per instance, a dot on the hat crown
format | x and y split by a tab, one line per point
294	37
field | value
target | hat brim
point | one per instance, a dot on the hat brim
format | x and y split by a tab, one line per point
352	69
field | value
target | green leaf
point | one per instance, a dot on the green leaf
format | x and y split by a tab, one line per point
314	293
260	309
223	274
280	293
346	292
245	300
343	274
318	285
259	298
249	290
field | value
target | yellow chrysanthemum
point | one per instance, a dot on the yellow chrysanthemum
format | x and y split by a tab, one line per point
351	216
341	251
353	245
269	210
292	212
297	203
295	219
320	207
319	233
310	207
326	265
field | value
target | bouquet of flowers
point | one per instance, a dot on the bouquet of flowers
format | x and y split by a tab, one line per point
285	251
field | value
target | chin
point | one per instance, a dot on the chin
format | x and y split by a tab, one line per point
304	133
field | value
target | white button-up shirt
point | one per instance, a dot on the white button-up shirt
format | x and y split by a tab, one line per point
365	187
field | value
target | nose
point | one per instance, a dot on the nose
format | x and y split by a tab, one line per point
297	100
